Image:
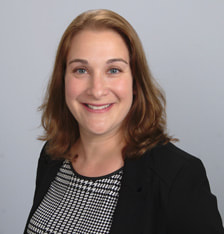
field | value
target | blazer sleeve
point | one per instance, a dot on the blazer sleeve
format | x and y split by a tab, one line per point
192	208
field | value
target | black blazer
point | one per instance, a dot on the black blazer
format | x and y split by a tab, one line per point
165	191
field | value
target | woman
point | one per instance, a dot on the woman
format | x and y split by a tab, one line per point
108	165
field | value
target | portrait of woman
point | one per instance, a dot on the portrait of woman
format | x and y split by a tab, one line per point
108	164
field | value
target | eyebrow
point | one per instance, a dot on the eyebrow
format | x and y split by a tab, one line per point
78	61
116	60
83	61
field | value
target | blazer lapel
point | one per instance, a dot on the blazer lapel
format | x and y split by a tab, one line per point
50	169
50	173
132	208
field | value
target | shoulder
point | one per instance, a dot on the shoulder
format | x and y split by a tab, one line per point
46	159
186	192
168	162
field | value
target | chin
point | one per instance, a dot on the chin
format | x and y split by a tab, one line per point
101	131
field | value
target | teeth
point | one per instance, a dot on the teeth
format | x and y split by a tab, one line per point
98	107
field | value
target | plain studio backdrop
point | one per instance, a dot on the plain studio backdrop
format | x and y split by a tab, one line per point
184	44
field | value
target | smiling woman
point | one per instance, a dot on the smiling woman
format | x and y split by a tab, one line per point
108	165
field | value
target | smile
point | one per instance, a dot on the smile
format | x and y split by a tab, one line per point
98	107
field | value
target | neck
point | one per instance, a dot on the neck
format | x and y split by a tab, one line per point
98	156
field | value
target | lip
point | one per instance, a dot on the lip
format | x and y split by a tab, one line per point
98	108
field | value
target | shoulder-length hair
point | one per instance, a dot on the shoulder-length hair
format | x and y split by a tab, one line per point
144	126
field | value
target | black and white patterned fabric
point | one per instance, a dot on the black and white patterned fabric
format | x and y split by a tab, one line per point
77	204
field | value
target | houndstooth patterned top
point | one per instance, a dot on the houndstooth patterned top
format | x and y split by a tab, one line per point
77	204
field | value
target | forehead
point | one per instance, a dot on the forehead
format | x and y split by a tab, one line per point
98	41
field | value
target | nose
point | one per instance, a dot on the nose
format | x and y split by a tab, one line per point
97	86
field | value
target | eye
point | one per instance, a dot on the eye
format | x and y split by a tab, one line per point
114	70
80	71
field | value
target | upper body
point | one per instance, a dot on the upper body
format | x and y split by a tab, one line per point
164	191
103	111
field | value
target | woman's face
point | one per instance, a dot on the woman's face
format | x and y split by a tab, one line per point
98	81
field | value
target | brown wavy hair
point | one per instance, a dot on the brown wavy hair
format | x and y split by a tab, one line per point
145	125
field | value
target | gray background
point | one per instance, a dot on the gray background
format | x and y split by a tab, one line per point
184	43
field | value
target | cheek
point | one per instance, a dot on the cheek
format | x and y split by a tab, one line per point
71	89
125	89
